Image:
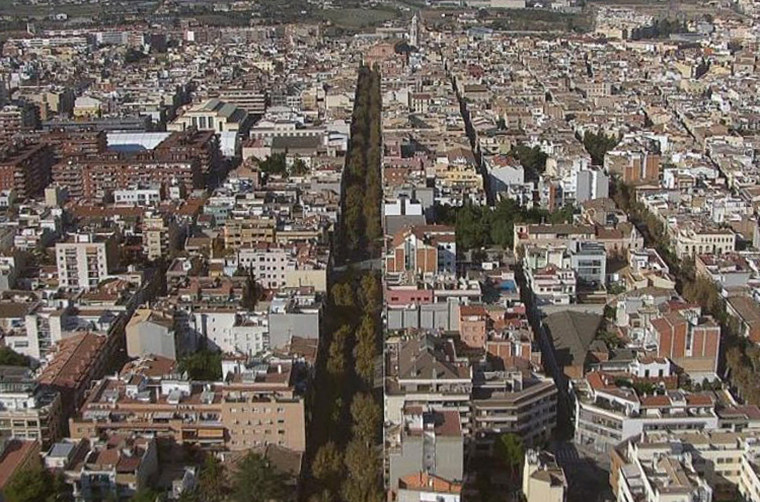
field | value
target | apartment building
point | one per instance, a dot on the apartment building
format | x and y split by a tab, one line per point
138	196
422	487
226	328
253	101
77	361
427	441
28	410
96	177
248	232
491	398
17	118
160	235
551	235
691	342
706	465
617	240
609	408
633	166
695	240
255	406
84	260
424	371
511	398
553	286
268	263
25	168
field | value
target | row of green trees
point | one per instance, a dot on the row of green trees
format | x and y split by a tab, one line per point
361	231
347	466
483	226
252	479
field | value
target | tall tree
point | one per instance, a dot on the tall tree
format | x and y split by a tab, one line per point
362	482
9	357
328	465
251	292
211	480
367	417
509	448
255	480
35	484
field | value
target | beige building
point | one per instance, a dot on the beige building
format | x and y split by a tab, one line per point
247	232
253	406
159	236
694	241
543	480
711	464
151	332
212	115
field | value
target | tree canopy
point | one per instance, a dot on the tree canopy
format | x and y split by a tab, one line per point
202	365
255	480
35	484
598	144
9	357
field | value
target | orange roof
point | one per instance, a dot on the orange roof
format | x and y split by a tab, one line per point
654	401
423	481
71	362
699	400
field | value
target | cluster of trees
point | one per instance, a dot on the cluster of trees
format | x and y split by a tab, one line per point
36	484
134	56
660	28
277	164
9	357
598	144
252	479
482	226
204	365
509	457
348	467
532	159
609	338
743	363
361	228
652	229
274	164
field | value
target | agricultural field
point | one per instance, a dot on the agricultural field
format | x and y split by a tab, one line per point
356	18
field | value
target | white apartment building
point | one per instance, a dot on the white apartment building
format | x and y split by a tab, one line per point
269	264
228	330
138	196
608	412
85	260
